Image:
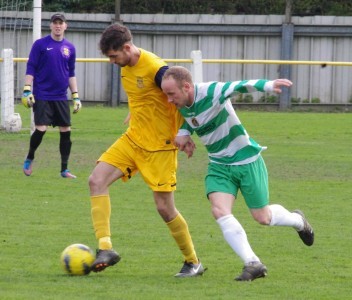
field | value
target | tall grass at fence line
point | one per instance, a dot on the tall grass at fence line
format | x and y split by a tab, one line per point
309	162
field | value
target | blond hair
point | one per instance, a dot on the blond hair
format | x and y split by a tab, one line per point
179	74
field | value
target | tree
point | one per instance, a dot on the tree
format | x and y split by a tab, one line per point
255	7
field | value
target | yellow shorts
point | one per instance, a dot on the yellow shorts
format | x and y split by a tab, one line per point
158	168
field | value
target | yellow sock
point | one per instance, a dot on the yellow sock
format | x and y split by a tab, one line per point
179	231
101	211
105	243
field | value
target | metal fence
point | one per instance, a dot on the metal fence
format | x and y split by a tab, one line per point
228	37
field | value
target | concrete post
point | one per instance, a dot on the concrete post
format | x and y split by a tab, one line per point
285	70
197	66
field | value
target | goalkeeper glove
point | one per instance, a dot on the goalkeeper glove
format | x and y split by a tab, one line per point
77	105
27	97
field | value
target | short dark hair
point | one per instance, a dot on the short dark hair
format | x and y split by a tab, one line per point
114	37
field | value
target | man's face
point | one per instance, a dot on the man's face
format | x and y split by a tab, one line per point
120	57
58	27
176	94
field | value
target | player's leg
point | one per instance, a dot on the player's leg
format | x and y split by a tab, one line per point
158	170
257	198
99	181
221	189
118	157
236	236
41	119
232	230
62	118
277	215
65	150
179	230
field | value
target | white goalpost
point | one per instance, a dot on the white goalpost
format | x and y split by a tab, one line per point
11	20
7	90
37	32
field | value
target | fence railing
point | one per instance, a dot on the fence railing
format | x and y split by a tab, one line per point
196	65
316	48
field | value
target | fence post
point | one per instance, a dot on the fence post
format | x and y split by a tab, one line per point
116	70
115	85
285	70
197	66
7	86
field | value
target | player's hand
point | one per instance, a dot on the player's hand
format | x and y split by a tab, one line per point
189	148
77	105
27	97
185	143
278	83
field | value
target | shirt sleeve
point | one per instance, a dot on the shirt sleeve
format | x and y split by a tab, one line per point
185	129
72	62
33	59
159	75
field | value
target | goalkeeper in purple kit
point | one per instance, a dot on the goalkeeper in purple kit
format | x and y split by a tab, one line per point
50	72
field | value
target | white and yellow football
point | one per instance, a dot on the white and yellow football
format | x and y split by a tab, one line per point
77	259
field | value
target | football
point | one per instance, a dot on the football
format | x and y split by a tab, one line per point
13	123
77	259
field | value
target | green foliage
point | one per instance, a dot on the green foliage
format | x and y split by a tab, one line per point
256	7
80	6
295	100
248	98
322	7
314	100
44	213
272	99
243	98
267	98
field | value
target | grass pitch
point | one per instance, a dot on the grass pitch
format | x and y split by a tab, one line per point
310	167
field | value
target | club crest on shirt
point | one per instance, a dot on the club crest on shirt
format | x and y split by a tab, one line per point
140	83
195	122
65	51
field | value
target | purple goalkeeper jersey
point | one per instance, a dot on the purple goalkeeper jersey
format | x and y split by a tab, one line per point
51	63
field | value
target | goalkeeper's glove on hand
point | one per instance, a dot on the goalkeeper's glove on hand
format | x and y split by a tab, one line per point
27	97
77	105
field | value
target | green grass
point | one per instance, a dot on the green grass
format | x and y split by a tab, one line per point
309	161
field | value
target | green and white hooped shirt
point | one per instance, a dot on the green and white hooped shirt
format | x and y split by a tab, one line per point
214	120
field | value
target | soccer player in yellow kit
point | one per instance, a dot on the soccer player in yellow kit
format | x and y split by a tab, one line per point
147	147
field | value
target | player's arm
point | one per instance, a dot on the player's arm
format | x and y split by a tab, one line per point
185	143
31	69
77	105
183	140
159	75
279	83
28	80
255	85
27	95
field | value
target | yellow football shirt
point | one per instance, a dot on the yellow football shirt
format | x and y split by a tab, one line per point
154	121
